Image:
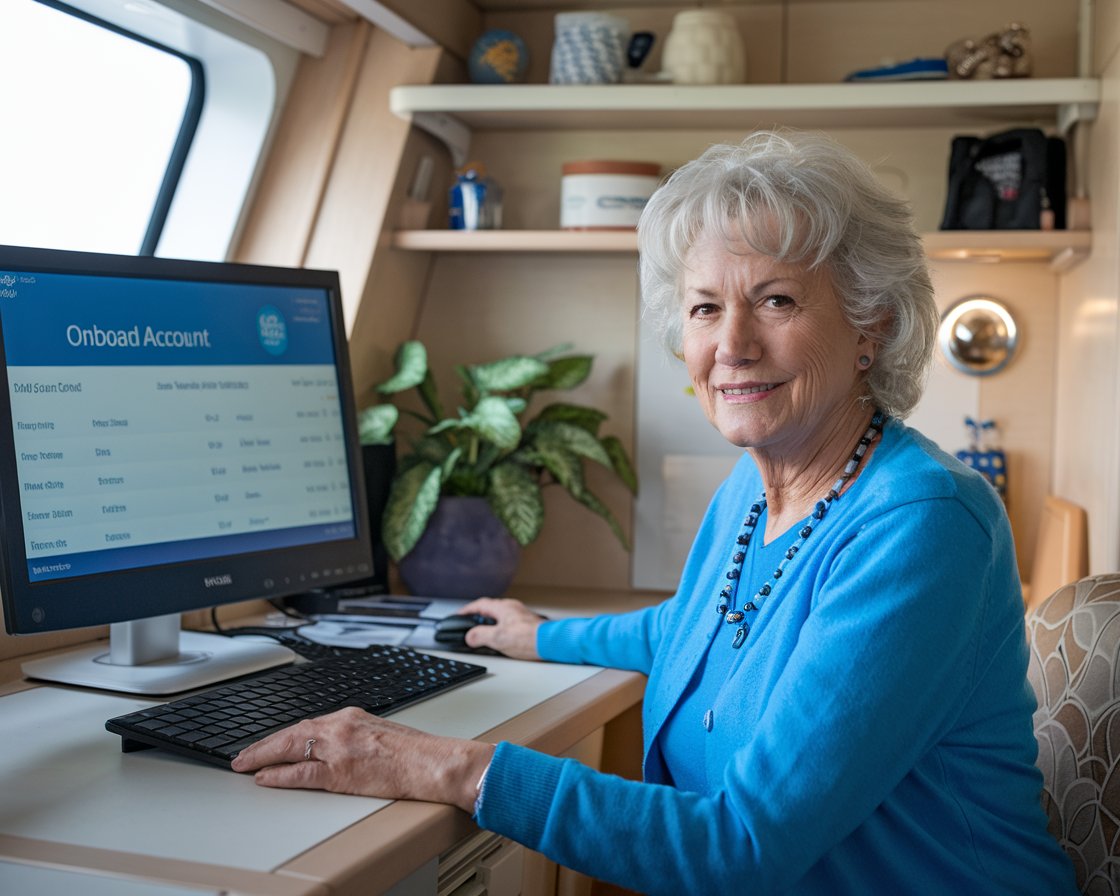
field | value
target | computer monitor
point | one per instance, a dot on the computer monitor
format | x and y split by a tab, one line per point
174	435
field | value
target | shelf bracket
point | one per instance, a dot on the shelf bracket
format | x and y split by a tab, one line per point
455	135
1070	114
1067	259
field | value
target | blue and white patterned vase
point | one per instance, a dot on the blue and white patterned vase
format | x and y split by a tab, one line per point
590	48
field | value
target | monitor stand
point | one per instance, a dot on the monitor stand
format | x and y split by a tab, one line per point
152	656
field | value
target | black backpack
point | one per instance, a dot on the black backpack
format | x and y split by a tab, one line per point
1005	181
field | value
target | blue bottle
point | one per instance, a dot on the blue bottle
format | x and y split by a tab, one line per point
475	200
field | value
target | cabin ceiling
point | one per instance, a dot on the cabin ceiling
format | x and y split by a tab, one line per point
521	5
336	11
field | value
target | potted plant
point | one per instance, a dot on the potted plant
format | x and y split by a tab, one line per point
467	493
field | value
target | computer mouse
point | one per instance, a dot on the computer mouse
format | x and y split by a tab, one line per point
452	630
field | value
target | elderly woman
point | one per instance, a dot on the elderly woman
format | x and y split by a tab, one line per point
837	698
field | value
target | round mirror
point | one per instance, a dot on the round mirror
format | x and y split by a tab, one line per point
978	335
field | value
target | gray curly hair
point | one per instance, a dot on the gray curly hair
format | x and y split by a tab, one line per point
824	206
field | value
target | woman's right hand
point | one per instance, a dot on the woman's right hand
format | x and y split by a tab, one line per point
515	633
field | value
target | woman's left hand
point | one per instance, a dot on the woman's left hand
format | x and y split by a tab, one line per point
351	751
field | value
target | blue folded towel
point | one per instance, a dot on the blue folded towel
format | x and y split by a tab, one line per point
914	70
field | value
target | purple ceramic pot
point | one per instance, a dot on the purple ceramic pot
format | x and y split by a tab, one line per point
465	552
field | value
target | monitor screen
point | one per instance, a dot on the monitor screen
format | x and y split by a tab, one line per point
173	435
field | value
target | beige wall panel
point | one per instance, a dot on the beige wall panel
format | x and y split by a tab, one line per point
528	164
397	281
480	309
828	40
1020	398
386	318
1104	35
1087	440
355	203
331	11
286	204
453	24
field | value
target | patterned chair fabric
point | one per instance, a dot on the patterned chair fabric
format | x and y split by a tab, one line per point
1075	672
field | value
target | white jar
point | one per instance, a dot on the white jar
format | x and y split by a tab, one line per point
605	194
704	47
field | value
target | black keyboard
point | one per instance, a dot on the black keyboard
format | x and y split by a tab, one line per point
215	725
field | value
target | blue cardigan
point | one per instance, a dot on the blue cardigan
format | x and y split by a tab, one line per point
873	735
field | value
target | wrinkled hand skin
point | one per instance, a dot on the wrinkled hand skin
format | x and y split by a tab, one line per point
515	635
359	753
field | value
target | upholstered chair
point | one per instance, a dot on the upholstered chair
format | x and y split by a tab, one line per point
1075	671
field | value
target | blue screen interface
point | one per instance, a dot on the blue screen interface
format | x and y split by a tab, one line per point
162	421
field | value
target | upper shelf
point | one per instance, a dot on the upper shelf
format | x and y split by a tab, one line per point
1061	249
451	111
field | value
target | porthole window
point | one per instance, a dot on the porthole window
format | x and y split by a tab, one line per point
97	131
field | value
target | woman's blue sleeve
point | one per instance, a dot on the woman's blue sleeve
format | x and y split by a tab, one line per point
623	641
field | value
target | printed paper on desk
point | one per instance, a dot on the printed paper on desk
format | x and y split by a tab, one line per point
356	632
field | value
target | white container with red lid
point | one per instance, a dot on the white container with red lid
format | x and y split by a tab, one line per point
602	194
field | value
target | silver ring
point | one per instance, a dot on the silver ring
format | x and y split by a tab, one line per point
307	749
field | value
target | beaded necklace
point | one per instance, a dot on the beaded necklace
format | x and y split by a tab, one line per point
728	592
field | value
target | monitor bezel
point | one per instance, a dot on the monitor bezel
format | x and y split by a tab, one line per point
125	595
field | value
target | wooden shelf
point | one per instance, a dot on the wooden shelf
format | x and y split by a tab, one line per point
452	111
517	240
1061	249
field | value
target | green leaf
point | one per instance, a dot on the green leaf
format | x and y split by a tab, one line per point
412	500
508	374
447	468
445	425
428	449
375	425
495	422
488	455
412	367
620	462
471	395
460	480
515	499
466	483
567	435
565	467
578	415
590	501
567	372
430	395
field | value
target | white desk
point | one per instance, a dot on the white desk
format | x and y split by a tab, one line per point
72	801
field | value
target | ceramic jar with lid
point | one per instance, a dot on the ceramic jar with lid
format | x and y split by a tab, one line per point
605	194
704	47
